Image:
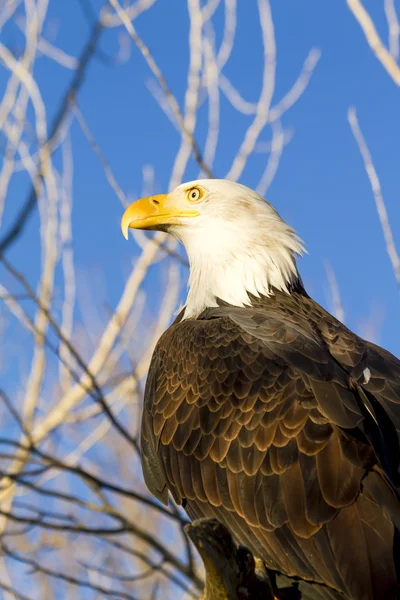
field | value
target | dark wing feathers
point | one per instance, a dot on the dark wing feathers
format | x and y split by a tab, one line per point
267	419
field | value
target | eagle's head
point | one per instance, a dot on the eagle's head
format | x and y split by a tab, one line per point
236	242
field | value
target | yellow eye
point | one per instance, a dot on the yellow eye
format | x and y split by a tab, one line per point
194	194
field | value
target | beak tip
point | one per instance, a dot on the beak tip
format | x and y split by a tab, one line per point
125	228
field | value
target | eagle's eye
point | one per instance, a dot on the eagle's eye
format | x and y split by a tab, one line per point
194	194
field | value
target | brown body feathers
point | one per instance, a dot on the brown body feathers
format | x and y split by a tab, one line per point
282	424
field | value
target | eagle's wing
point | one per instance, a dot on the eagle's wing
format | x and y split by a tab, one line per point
272	424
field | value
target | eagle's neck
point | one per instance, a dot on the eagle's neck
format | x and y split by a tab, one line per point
230	268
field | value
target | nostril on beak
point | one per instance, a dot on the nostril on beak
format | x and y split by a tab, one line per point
155	201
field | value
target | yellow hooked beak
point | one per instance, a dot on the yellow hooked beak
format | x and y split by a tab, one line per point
152	212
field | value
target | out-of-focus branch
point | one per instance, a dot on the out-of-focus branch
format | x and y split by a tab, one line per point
133	12
188	124
61	576
58	55
228	39
91	378
377	192
277	145
338	309
67	257
13	592
125	527
16	97
145	50
288	100
23	215
75	394
264	102
394	28
53	462
211	82
99	153
299	86
375	43
145	559
7	12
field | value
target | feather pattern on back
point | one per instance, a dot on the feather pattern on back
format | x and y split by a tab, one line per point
263	417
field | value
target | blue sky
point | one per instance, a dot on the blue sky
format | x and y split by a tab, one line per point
321	187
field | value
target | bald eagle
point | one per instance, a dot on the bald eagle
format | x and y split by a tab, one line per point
263	410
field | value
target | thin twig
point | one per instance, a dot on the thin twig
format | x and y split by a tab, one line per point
394	28
375	43
338	309
145	50
25	212
377	192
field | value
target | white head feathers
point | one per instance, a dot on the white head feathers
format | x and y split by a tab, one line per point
238	245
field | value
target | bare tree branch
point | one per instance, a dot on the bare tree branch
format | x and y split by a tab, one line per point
25	212
377	192
371	35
